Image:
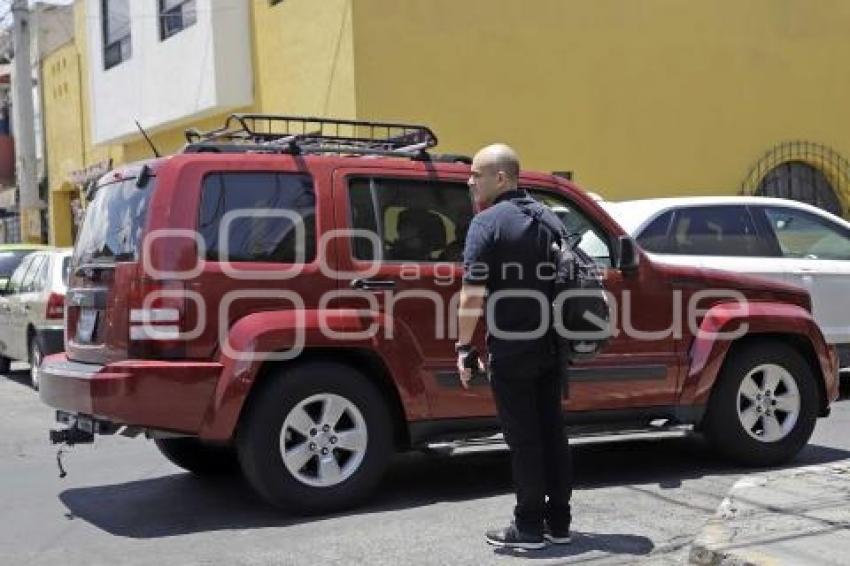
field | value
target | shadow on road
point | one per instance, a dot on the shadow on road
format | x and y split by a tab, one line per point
20	377
583	543
182	504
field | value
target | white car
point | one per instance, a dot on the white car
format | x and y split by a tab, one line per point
780	239
32	310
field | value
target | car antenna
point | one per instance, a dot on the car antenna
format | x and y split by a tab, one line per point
144	133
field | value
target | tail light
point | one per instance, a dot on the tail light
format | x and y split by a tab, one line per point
156	320
56	306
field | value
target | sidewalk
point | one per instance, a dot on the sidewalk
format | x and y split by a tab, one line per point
789	517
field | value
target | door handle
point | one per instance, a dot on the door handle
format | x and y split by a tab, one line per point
372	284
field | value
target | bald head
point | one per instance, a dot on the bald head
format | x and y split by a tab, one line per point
495	169
499	157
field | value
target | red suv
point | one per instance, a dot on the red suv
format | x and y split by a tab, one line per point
283	293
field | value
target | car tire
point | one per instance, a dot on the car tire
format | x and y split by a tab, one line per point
202	459
35	359
764	406
316	438
5	365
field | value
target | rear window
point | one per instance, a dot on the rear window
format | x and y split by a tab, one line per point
66	269
115	220
9	261
258	217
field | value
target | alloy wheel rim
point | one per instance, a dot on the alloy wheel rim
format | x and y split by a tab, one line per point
323	440
768	403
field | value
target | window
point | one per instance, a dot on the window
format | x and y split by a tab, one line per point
273	220
39	282
17	279
31	280
175	16
654	238
115	219
715	231
9	261
421	221
594	242
801	234
66	270
116	32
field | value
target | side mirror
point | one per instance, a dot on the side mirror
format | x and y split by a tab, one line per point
628	257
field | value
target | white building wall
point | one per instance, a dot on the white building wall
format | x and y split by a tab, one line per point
204	69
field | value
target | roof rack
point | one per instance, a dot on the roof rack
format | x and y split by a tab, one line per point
266	133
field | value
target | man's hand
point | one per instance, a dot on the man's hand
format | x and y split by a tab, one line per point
469	311
464	372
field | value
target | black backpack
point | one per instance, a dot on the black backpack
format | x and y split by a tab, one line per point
581	314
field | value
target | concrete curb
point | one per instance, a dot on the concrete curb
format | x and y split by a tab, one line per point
788	517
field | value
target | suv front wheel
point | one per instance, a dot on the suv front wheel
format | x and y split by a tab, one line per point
764	408
316	438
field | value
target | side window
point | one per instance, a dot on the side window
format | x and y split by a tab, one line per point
29	283
715	231
263	217
655	237
415	220
804	235
594	241
18	275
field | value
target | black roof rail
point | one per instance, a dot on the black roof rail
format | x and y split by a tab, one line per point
268	133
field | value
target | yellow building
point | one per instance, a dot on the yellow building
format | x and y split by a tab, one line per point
634	97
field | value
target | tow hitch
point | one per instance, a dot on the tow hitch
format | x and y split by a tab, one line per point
80	430
71	436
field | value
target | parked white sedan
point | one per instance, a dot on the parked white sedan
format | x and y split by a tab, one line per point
32	310
776	238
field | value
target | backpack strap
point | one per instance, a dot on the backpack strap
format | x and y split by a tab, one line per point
544	216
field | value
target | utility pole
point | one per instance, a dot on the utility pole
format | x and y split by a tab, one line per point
28	201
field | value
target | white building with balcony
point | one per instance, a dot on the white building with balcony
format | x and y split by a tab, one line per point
165	62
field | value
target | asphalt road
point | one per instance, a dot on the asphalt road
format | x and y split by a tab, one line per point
635	502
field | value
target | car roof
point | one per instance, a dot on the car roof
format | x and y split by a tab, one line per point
633	215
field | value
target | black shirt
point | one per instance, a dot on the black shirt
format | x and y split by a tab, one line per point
510	253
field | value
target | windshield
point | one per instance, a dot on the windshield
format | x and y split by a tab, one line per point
9	261
112	229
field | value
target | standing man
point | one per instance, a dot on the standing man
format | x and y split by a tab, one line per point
504	250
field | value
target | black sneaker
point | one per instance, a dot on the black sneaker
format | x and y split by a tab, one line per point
511	537
556	536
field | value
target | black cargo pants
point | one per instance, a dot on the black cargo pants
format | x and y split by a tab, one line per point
528	400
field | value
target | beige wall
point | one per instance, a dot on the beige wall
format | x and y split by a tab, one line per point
639	98
304	58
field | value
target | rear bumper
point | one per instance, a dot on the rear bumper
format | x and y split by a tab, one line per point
144	393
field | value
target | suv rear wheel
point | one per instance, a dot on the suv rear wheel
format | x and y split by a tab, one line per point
764	408
316	438
197	457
